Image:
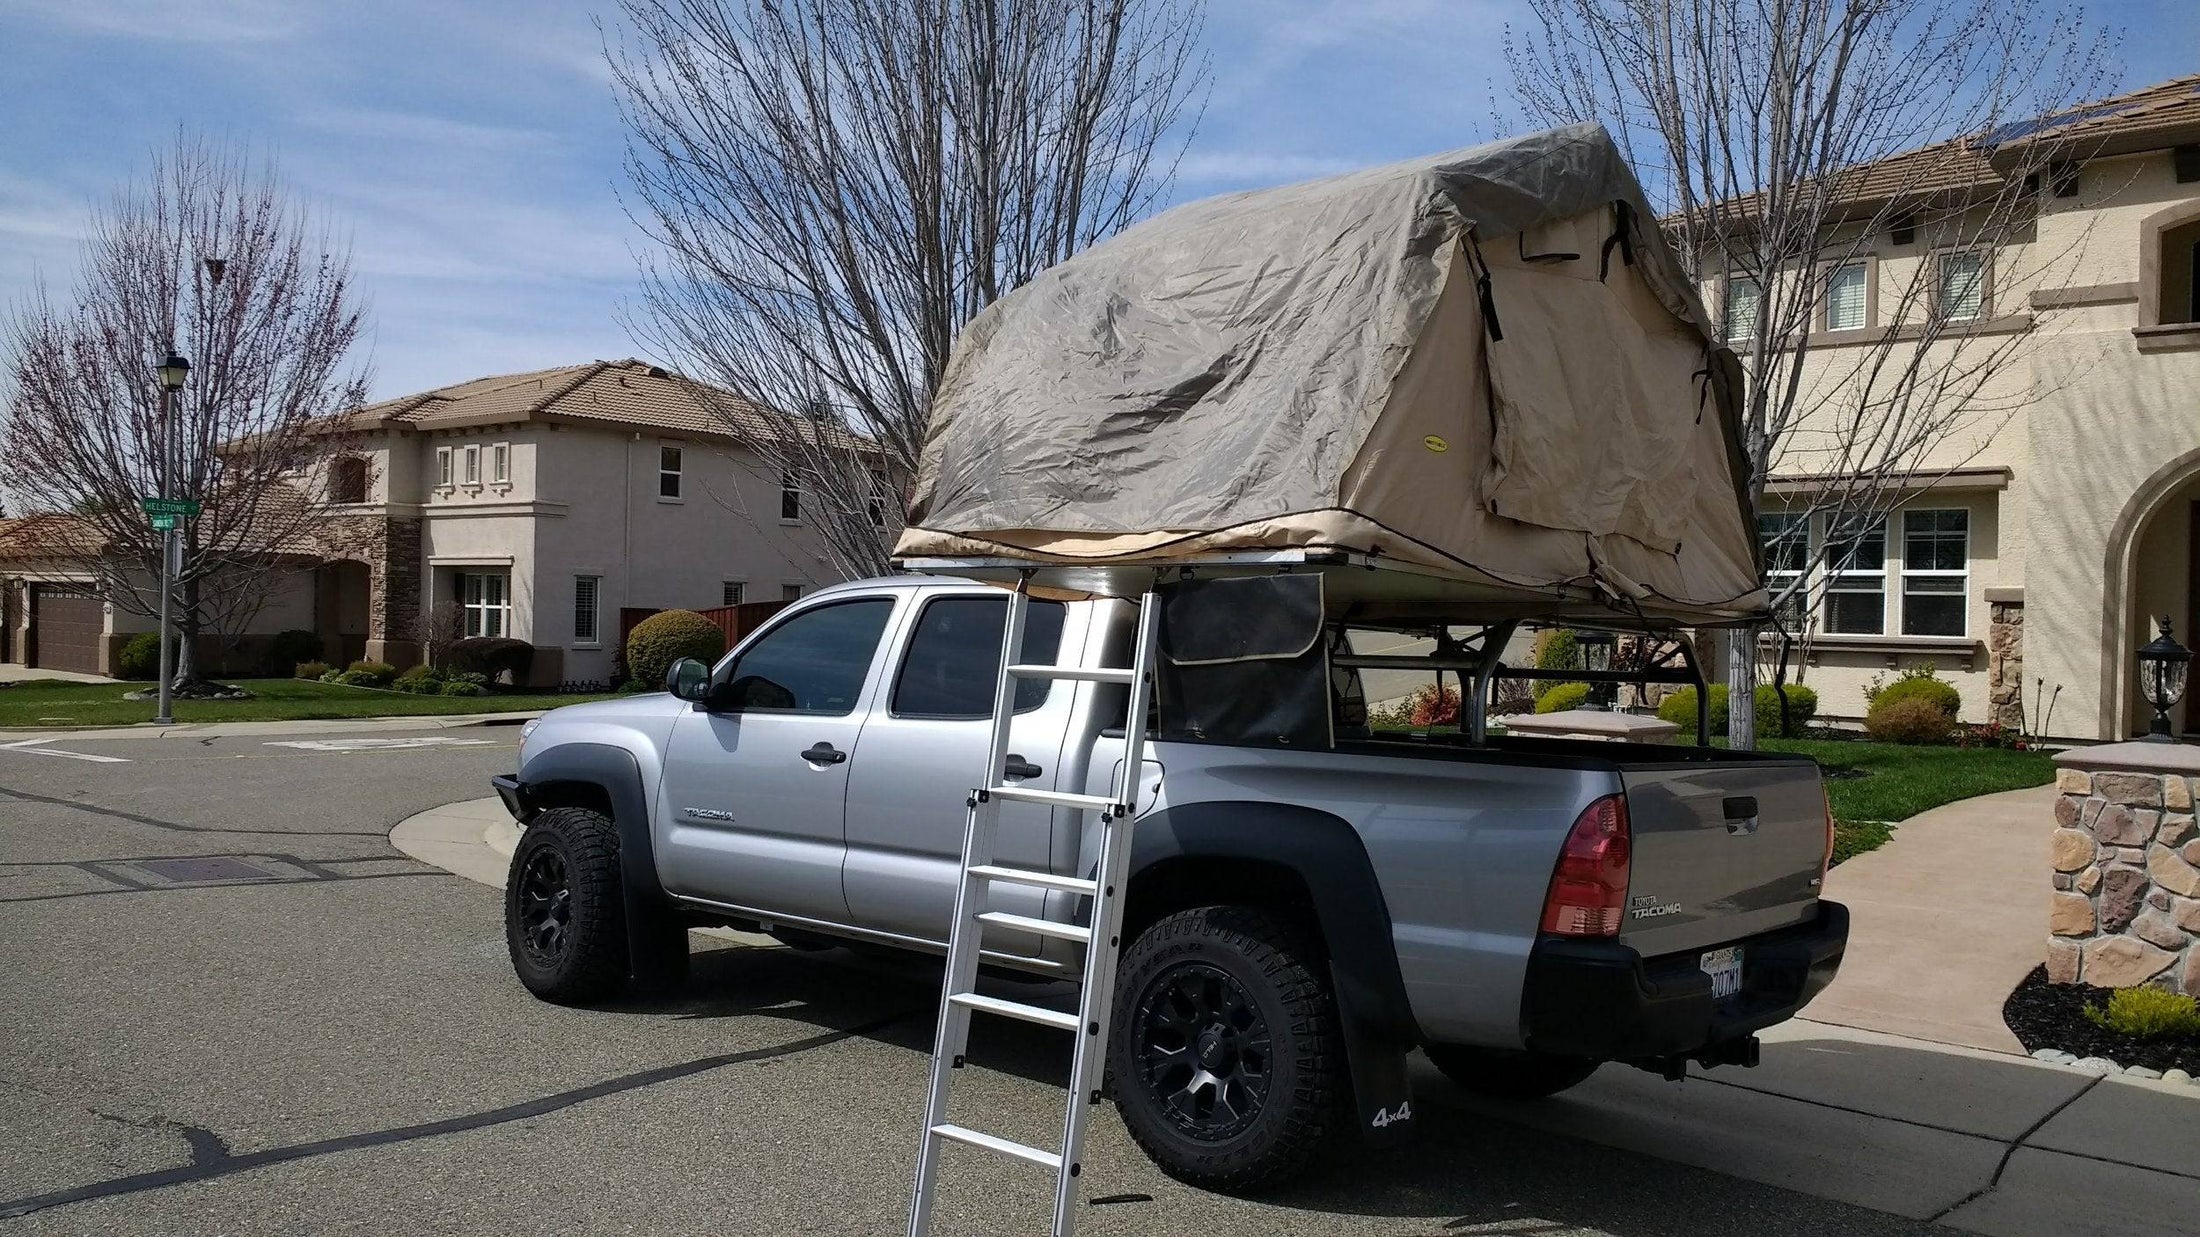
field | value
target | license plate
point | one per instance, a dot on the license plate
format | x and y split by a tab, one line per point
1724	966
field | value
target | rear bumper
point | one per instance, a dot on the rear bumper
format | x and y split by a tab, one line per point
1597	998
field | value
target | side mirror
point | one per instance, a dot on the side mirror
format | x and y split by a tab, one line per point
687	679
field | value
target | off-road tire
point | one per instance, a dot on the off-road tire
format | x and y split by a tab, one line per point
1508	1075
1308	1093
574	852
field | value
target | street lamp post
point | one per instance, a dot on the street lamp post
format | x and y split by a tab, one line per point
172	372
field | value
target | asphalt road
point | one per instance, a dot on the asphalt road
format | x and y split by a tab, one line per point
298	1029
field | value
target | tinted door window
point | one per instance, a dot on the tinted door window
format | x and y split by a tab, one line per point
813	662
948	668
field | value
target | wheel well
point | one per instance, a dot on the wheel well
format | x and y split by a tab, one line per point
1186	881
570	794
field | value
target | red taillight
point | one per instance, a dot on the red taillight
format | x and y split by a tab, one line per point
1589	890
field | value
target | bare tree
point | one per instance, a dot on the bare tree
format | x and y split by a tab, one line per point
838	186
209	258
1781	142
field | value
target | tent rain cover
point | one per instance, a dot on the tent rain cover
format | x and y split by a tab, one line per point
1486	367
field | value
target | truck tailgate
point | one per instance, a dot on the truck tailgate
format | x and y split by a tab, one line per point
1721	851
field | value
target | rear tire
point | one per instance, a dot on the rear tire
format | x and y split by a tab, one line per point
565	922
1507	1075
1227	1061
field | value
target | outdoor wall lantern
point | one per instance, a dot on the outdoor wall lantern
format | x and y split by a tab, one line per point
173	371
2163	664
1596	654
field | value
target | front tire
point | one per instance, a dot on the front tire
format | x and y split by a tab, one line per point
1507	1075
564	909
1227	1060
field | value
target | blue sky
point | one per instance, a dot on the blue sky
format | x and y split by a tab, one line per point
471	151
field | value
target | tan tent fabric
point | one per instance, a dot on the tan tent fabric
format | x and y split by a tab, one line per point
1487	366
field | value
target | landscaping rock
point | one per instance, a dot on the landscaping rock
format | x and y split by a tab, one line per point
2088	880
2071	849
2122	890
2121	962
2117	825
2098	1065
2172	872
2074	781
2175	830
2141	1071
2053	1056
2134	789
2071	914
2175	1075
2157	928
2176	794
2062	962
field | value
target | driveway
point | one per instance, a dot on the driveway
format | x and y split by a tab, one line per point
231	1006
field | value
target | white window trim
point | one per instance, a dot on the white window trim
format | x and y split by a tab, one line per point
468	609
677	472
801	589
469	473
594	638
1726	308
1985	281
1777	579
1936	573
500	464
1834	577
789	483
446	469
1863	267
740	590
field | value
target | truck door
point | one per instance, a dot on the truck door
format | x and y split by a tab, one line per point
754	797
921	753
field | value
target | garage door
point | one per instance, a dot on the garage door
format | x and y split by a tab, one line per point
67	626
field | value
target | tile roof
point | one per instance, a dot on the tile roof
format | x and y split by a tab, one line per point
623	394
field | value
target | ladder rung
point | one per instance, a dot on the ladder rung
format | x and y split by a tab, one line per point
1080	674
1016	1009
1042	880
1052	798
1043	927
1044	1159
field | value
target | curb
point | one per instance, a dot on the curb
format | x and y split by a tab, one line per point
454	837
314	725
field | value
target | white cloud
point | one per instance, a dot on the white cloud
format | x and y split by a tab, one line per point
174	21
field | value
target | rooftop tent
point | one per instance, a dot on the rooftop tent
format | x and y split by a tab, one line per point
1485	370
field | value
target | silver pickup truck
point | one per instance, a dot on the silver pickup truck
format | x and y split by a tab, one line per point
1297	921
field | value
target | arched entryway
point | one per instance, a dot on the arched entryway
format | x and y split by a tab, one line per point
341	594
2153	570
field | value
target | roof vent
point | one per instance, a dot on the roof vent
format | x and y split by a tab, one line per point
658	371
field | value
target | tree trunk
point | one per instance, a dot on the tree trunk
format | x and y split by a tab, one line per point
187	635
1741	688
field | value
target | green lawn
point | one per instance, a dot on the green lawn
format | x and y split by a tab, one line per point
1898	782
51	703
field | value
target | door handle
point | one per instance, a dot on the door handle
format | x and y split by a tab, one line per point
823	753
1017	766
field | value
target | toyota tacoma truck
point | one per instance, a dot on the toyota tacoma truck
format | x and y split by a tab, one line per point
1298	919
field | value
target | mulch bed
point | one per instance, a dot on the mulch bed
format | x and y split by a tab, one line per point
2045	1015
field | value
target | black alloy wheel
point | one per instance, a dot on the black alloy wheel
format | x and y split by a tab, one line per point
1203	1048
545	907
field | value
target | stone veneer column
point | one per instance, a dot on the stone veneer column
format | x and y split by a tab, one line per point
2005	662
2126	859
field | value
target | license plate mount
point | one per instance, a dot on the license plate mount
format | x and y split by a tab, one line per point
1724	966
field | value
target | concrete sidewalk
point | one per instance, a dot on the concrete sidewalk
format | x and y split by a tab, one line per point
245	730
16	672
1945	919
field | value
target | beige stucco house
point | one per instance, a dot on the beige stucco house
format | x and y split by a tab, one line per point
2031	551
536	506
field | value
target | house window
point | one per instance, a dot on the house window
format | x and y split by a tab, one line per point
473	466
1856	578
1786	539
500	463
1961	285
347	480
2179	294
790	496
443	467
1936	551
878	500
586	590
486	598
1743	299
668	472
730	593
1847	302
790	592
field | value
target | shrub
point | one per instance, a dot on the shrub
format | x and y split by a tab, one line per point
1910	720
666	637
465	683
310	670
290	647
331	675
1432	705
368	674
1680	708
420	680
2146	1013
1919	682
140	658
1556	649
1562	696
490	656
635	687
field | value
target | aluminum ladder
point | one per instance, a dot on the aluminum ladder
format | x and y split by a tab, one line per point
959	995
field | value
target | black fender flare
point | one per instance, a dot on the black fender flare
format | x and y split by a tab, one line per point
1326	854
615	772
